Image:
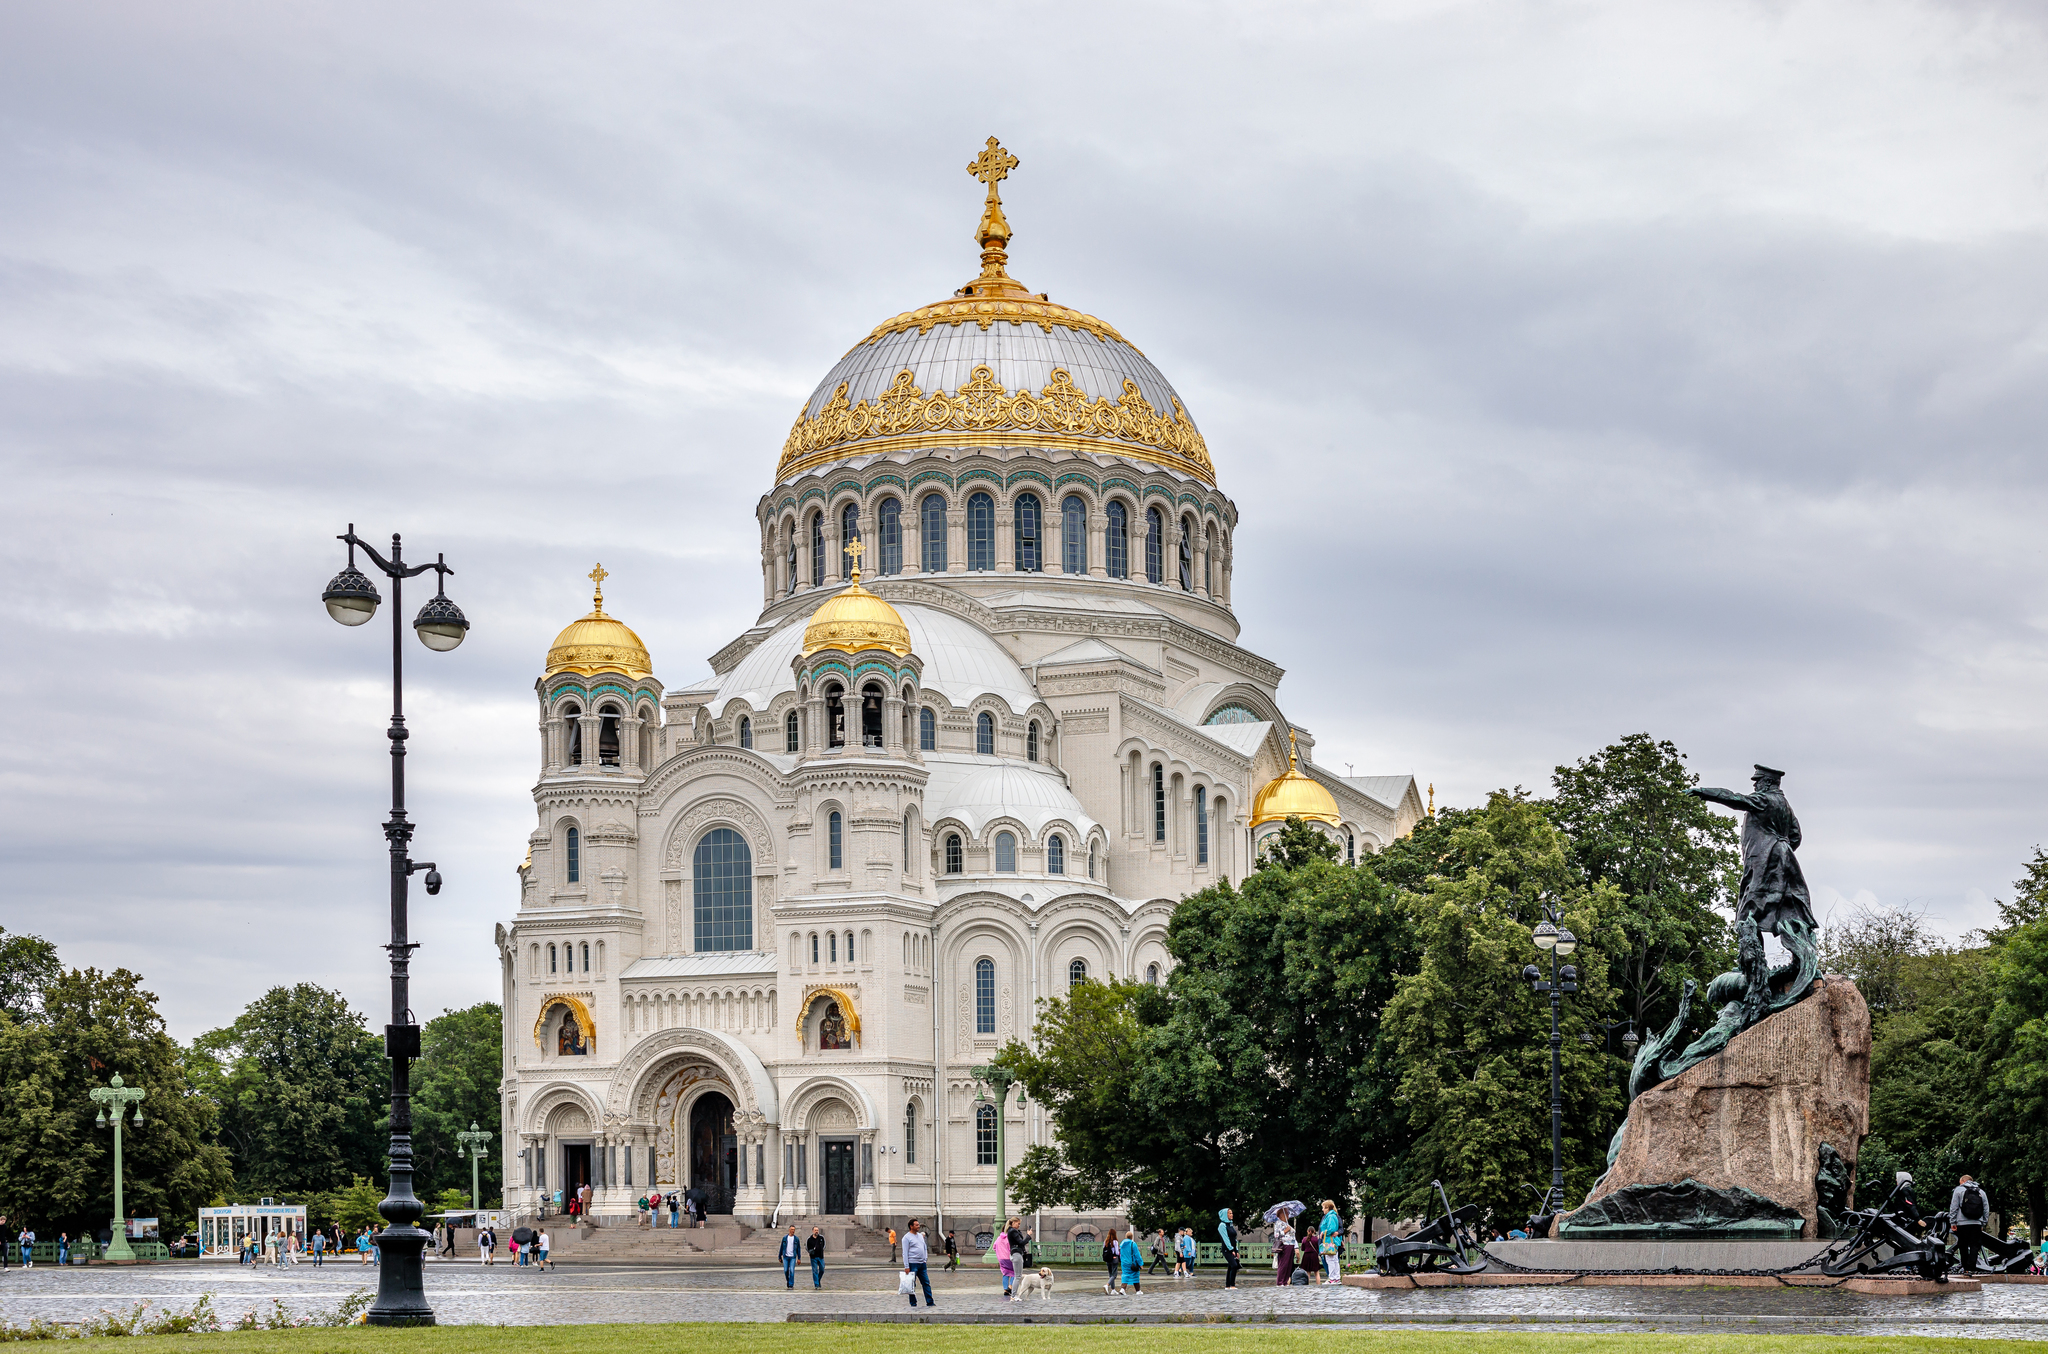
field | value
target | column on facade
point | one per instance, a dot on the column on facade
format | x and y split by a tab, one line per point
1169	550
835	563
1098	545
892	720
913	540
767	563
814	722
1201	565
592	724
956	540
864	1202
629	740
1006	538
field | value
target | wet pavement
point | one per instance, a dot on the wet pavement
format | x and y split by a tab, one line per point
464	1292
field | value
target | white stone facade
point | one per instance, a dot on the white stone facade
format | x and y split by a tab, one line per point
965	880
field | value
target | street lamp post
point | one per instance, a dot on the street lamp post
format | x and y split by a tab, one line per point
476	1142
118	1098
1563	981
998	1078
352	599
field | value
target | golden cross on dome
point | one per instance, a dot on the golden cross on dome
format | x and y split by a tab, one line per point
597	577
1290	748
992	166
854	550
992	233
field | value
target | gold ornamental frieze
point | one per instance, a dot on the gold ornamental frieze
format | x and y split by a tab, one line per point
983	406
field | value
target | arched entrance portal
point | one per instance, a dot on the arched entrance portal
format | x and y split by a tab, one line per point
714	1151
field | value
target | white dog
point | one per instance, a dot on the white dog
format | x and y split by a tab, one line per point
1041	1283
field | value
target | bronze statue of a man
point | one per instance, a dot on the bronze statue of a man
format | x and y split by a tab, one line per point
1773	885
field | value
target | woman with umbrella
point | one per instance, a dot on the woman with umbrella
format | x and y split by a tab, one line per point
523	1238
1277	1217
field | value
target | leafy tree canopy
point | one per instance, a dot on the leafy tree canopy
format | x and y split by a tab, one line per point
301	1084
56	1166
455	1084
28	966
1628	822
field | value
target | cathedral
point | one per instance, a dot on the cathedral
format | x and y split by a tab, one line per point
991	724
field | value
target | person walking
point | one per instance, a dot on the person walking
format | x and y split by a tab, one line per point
320	1247
1005	1261
1188	1253
1310	1256
815	1245
952	1252
541	1247
1112	1262
917	1259
892	1245
487	1245
1158	1250
1020	1249
1283	1251
1970	1206
1133	1262
1226	1228
28	1248
3	1241
788	1250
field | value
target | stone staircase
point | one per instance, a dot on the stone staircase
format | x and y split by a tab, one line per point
722	1240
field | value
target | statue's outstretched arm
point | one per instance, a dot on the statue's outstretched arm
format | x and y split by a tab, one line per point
1715	795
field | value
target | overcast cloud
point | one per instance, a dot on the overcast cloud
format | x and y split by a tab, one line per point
1577	369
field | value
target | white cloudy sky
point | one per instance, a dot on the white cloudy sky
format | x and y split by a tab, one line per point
1578	369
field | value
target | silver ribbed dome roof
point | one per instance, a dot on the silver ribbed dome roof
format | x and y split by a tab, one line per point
1022	357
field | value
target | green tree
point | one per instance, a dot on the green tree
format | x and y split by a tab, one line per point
301	1084
28	966
454	1084
56	1167
1471	1044
2011	1122
1258	1074
1630	823
353	1206
2030	895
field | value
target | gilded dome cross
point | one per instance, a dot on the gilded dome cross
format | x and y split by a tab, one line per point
992	232
992	166
854	550
597	577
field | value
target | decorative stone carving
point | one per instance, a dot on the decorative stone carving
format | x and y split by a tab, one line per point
1755	1115
614	880
833	1116
683	837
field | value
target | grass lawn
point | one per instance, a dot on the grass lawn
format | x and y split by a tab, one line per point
743	1338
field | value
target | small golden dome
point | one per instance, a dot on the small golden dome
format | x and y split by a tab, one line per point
599	643
854	620
1294	795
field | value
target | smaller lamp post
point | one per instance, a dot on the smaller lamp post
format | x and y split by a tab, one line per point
116	1097
1562	982
998	1078
1606	1037
475	1141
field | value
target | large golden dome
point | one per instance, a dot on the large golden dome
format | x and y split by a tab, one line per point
1293	795
599	643
995	364
855	620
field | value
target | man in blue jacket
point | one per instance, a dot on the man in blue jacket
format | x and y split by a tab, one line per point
787	1251
1227	1230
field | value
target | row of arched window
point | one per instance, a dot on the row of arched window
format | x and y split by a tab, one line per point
563	739
1134	542
869	714
560	958
1158	792
1003	854
824	949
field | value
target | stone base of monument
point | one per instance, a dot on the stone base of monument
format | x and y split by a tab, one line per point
1752	1145
1876	1284
1569	1256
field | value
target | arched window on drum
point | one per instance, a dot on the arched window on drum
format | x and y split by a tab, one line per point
981	533
849	532
746	732
931	533
1077	972
954	861
1073	535
985	734
1155	540
927	730
888	561
1006	853
817	548
1116	541
1056	854
1030	524
723	892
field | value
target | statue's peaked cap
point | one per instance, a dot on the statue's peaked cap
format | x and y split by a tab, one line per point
1769	773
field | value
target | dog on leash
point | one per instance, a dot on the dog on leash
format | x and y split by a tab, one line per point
1040	1283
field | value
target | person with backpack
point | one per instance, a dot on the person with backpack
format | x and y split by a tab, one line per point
952	1252
1970	1207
